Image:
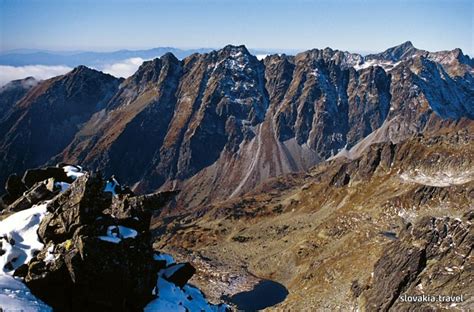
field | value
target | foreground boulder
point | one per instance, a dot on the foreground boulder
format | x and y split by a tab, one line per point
39	192
36	185
179	274
33	176
14	188
97	253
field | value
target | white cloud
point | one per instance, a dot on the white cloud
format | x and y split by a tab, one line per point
39	72
125	68
261	56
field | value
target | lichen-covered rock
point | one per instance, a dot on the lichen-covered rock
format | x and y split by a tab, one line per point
79	205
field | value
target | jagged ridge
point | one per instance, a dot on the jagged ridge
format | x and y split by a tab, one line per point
226	121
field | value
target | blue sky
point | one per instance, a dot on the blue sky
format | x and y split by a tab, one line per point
354	25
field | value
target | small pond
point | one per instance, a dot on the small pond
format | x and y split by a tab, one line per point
265	294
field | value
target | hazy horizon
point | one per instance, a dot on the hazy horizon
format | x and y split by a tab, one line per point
251	50
352	25
264	26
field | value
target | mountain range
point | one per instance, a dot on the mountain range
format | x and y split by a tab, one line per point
24	57
346	178
225	121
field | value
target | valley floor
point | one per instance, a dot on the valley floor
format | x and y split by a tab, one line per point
321	239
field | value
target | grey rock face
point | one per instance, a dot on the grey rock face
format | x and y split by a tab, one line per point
430	258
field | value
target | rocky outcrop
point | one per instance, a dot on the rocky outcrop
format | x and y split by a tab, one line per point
430	259
93	248
97	254
37	185
14	188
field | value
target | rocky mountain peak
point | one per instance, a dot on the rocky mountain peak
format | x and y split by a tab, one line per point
340	58
405	46
25	82
451	57
82	77
169	58
396	53
150	72
46	119
83	70
233	50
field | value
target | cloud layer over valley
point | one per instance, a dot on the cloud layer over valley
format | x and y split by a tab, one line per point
124	69
40	72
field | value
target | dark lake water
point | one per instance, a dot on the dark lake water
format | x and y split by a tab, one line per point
389	235
265	294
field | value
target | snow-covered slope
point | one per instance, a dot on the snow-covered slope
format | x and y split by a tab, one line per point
15	296
18	243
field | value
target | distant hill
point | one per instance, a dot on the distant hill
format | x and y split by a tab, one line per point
23	57
34	57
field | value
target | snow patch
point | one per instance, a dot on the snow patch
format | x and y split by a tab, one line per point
111	185
63	185
439	179
15	296
173	298
73	171
19	238
18	234
115	234
386	65
50	256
